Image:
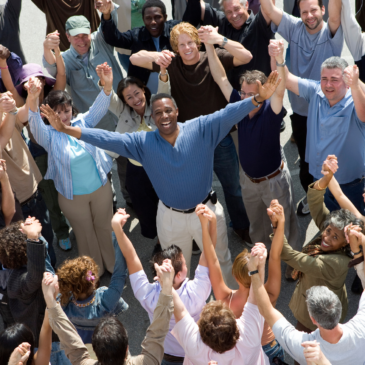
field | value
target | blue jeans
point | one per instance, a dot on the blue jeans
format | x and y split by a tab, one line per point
124	61
227	170
274	351
36	207
353	191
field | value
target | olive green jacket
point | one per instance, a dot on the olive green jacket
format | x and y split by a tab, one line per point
328	270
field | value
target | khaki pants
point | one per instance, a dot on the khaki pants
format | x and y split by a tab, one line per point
90	216
174	228
257	198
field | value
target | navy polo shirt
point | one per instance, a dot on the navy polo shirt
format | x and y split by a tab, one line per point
259	140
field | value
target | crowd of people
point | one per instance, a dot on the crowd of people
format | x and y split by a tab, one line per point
204	92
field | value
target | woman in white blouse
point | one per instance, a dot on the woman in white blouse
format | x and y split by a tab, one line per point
131	104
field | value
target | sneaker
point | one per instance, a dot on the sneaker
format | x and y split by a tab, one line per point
244	235
282	126
65	244
356	286
303	207
196	250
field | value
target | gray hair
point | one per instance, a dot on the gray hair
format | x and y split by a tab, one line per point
334	62
324	306
341	218
160	96
220	2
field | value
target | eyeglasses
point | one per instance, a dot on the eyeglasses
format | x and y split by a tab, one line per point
243	94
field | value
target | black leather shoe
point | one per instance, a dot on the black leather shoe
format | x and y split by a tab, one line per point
356	286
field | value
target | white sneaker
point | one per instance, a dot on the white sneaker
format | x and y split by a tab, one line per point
303	207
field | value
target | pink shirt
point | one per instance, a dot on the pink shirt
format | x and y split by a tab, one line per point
248	350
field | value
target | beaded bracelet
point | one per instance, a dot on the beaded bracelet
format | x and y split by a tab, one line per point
4	68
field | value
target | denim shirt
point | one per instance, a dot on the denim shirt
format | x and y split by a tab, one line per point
107	299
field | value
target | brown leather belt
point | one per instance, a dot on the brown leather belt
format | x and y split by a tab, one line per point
173	359
268	177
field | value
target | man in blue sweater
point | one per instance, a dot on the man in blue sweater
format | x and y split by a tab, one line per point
178	159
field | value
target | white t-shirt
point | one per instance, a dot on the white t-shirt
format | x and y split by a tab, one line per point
248	349
350	350
193	293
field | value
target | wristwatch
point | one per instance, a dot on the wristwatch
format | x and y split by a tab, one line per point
258	102
280	64
160	74
225	41
14	112
356	253
250	273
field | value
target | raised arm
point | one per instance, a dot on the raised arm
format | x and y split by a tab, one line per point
334	15
273	283
7	199
276	51
74	348
269	8
133	262
207	219
7	105
351	78
262	299
210	35
329	168
42	357
51	42
6	77
111	296
218	72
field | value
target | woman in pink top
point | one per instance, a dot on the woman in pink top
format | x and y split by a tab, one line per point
237	299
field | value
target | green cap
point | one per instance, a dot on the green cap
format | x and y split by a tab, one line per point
77	24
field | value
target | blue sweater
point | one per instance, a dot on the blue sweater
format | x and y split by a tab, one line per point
181	174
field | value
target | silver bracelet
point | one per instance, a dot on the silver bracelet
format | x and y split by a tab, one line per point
14	112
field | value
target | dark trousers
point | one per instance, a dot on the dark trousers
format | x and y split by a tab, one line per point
36	207
299	126
226	167
144	199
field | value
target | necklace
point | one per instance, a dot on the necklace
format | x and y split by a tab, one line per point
84	304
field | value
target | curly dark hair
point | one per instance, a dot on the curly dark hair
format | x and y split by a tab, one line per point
72	277
13	246
218	327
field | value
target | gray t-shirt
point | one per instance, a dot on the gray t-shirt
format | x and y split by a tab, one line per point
307	52
349	350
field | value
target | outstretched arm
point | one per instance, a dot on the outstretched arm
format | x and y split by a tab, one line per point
125	245
334	15
145	59
218	72
207	219
273	283
210	35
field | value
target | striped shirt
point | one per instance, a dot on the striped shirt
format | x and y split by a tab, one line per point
57	145
181	174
